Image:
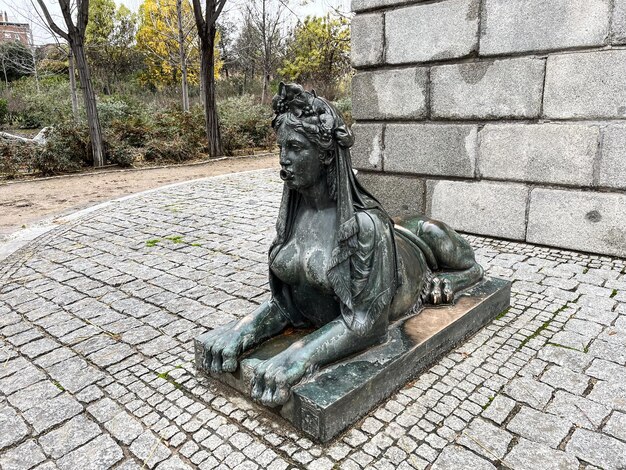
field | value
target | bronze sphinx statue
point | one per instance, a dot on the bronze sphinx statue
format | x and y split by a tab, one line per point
339	265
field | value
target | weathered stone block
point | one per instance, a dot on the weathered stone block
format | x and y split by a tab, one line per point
367	151
484	208
578	220
431	149
433	31
387	94
586	85
618	29
486	90
536	25
360	5
366	33
613	162
399	195
537	153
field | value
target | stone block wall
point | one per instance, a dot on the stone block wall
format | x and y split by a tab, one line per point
504	118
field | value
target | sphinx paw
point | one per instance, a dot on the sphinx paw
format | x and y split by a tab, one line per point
274	378
441	290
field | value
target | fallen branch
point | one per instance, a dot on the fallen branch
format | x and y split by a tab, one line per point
39	139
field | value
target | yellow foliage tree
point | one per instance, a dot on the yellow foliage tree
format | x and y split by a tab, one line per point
158	39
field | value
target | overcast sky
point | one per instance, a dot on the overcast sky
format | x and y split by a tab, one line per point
23	11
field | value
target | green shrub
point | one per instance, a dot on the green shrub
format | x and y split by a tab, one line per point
4	112
15	157
67	149
121	154
134	130
344	106
31	109
244	123
175	150
112	109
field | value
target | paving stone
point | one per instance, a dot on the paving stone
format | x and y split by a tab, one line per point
609	394
100	453
22	379
527	454
39	347
12	427
124	427
511	27
589	85
573	360
149	449
529	391
597	449
610	350
49	413
104	410
616	425
485	439
499	409
30	396
431	32
68	437
74	374
510	88
458	458
577	409
539	427
23	457
173	463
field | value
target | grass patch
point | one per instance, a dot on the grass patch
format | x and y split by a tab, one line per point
502	314
153	242
176	239
613	294
544	326
486	405
58	385
166	376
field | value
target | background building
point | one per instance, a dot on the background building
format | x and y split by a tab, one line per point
10	31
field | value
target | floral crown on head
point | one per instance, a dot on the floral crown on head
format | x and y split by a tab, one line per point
315	113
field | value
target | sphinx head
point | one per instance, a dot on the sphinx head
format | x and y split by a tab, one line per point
310	132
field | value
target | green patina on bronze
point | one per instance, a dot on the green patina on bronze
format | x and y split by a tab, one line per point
339	265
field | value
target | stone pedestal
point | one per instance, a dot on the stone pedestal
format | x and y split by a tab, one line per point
340	394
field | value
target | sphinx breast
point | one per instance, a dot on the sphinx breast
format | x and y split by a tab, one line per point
303	264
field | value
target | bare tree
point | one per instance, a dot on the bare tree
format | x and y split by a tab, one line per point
267	18
183	56
206	25
75	37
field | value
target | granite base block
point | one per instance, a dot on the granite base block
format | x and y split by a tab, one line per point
340	394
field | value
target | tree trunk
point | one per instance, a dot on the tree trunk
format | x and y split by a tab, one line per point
70	57
93	121
207	72
183	60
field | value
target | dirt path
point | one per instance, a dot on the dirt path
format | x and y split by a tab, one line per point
27	202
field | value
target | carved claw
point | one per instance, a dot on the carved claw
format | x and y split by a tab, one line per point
441	291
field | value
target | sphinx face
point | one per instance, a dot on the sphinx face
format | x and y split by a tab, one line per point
300	160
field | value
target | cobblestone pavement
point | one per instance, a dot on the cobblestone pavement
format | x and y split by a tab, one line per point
96	361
